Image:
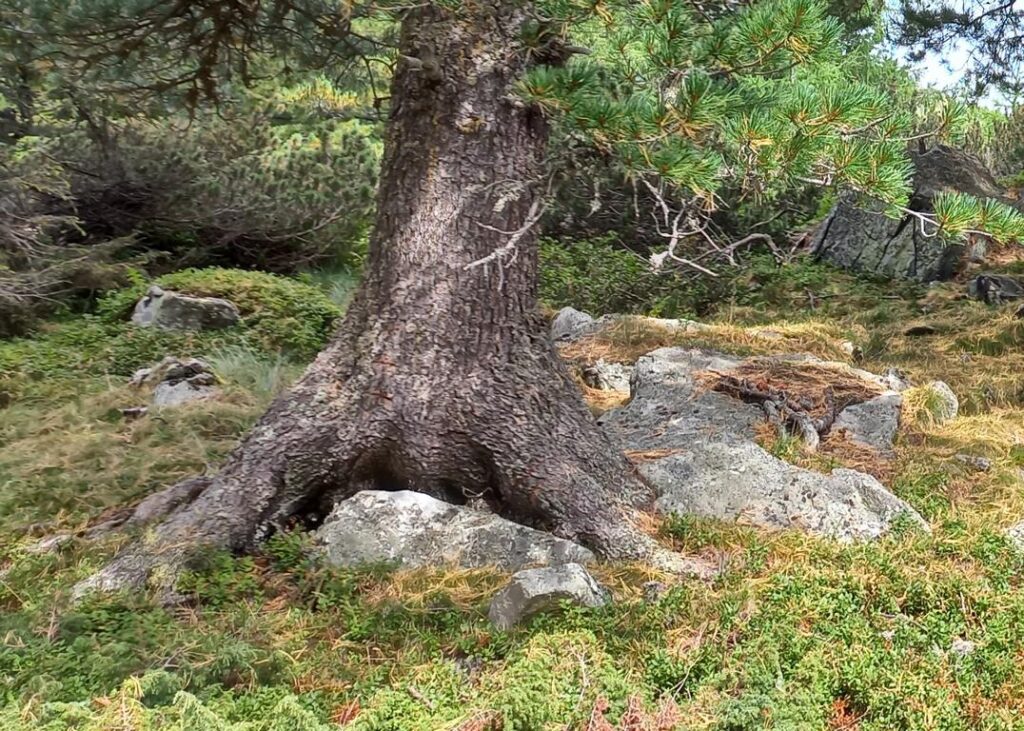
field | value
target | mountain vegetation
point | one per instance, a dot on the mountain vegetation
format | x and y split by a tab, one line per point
390	202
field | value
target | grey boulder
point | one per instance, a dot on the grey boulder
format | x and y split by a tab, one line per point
697	448
415	529
860	237
873	423
741	482
570	324
173	311
536	590
177	381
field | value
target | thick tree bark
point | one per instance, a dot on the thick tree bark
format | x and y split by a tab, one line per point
441	378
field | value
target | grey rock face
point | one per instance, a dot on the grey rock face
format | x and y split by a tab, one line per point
570	324
741	482
536	590
608	376
177	381
716	469
873	423
418	530
862	238
173	311
670	409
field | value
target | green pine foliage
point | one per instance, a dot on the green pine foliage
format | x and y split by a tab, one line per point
756	102
230	186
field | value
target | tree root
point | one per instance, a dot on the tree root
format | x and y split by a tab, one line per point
785	411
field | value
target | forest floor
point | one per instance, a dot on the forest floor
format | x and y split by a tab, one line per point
914	631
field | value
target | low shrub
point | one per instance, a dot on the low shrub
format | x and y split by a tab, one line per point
601	276
281	314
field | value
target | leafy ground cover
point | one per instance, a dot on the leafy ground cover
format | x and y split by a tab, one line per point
916	631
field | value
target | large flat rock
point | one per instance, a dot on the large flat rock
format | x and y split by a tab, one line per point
741	482
670	407
697	448
415	529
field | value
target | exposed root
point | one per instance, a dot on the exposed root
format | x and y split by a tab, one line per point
782	409
800	398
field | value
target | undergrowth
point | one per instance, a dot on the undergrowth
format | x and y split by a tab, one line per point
915	631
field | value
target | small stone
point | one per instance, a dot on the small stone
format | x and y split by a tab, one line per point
182	392
654	591
873	423
852	350
177	381
949	404
570	324
896	380
962	647
995	289
50	544
533	591
981	464
1015	535
608	376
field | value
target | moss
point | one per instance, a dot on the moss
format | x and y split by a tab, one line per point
279	313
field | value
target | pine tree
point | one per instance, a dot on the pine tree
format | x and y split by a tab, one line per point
441	378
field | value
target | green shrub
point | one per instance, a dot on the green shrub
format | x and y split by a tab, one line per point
601	276
233	187
281	314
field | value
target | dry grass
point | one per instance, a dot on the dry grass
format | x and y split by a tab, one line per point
601	400
816	384
52	463
646	455
465	588
628	338
837	447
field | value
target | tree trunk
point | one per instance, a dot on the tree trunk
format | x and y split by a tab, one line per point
442	378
